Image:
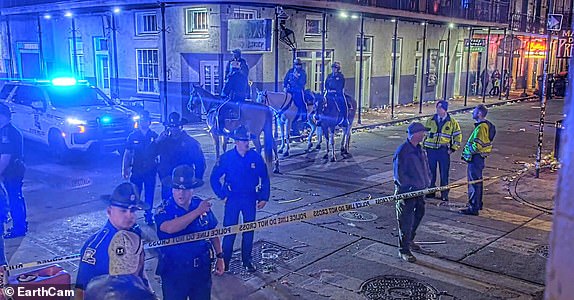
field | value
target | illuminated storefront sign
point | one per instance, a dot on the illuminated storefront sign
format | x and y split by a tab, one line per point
564	44
535	48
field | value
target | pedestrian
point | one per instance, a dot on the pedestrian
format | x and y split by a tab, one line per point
495	79
335	85
175	147
185	269
121	211
479	145
118	287
12	171
483	81
443	139
245	188
294	84
411	173
140	161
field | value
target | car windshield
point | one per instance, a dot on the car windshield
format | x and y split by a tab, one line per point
77	95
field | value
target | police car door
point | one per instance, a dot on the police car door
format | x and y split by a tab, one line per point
26	113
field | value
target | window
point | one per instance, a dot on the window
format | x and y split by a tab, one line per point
102	63
146	23
245	14
367	44
77	58
196	21
148	71
25	95
313	25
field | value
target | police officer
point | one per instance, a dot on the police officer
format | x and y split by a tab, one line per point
118	287
478	146
95	259
12	171
185	269
411	173
335	84
243	67
175	147
140	161
444	138
294	83
246	188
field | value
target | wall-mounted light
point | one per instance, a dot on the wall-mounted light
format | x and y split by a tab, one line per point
354	16
451	25
117	10
47	17
423	23
393	20
343	14
68	14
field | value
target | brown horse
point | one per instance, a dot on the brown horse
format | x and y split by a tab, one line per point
256	117
329	118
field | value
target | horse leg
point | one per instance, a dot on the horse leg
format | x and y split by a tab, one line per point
331	142
310	137
326	133
287	136
282	129
215	138
320	139
257	144
344	141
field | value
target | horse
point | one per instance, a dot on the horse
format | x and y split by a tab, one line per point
285	112
256	117
329	119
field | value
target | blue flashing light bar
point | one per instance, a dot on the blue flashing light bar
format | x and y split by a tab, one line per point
106	119
64	81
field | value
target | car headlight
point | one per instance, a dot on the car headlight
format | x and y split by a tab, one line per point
136	118
75	121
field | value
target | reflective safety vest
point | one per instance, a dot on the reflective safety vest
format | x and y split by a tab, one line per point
480	141
448	135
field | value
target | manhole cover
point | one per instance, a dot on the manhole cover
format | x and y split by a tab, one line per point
266	257
542	250
398	287
358	216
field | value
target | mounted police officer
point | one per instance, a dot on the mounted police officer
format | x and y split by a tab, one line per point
443	139
95	259
335	85
294	83
12	171
235	89
411	173
246	188
478	146
140	161
185	269
175	147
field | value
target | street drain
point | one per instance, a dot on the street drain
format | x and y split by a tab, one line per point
266	257
358	216
398	287
542	250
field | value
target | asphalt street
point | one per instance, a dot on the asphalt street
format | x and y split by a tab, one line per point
500	254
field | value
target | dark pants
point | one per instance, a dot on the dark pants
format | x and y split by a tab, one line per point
441	158
13	188
246	205
187	282
474	168
410	212
147	181
300	104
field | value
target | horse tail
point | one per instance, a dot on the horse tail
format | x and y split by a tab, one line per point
268	141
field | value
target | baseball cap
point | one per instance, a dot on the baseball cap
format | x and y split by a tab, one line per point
443	104
416	127
125	253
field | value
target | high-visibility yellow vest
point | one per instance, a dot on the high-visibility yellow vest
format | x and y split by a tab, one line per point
480	141
449	135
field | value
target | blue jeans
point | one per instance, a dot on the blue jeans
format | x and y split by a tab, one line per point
147	181
410	212
474	172
236	204
441	158
13	188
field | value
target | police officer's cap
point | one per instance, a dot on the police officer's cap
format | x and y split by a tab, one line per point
336	65
125	253
297	61
175	120
5	110
416	127
126	195
236	51
183	178
117	287
241	134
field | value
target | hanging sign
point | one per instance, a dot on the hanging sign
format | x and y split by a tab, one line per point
476	45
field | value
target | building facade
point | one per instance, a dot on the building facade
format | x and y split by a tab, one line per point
407	50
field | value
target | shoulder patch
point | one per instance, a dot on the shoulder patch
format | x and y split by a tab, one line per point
88	256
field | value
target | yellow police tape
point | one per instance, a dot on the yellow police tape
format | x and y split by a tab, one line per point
255	225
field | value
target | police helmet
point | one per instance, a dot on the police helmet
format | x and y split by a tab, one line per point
336	65
297	61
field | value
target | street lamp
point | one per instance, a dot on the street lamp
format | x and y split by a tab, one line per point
287	36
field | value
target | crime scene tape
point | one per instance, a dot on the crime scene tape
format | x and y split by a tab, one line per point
259	224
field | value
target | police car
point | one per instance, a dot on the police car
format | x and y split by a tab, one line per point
66	114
